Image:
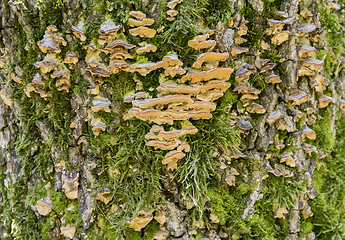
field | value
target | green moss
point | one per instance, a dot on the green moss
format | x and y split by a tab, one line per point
325	134
151	229
132	234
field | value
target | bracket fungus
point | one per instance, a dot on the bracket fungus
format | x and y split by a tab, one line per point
324	100
309	133
210	57
98	126
230	178
145	48
298	97
8	101
171	159
70	184
306	51
280	213
172	4
100	103
172	14
68	231
137	14
104	196
78	33
44	206
139	222
143	32
273	117
17	78
288	159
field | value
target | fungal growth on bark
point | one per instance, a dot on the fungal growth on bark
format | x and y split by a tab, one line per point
172	119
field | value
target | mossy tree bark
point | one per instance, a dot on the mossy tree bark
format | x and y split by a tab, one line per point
248	175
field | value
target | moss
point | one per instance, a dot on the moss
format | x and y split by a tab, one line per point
132	234
151	229
325	133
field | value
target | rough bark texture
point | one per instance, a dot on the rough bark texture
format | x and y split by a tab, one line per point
248	175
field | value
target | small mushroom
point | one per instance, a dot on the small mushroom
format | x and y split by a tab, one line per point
68	231
8	101
273	79
313	64
160	217
17	78
305	29
146	48
309	133
136	23
139	222
210	57
44	206
172	4
287	158
319	83
256	108
100	103
324	100
71	58
171	159
236	50
172	14
298	98
137	14
306	51
273	117
78	33
333	5
280	213
306	14
304	71
185	147
280	37
297	115
143	32
103	196
70	185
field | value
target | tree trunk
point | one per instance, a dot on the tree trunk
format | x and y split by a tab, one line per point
112	132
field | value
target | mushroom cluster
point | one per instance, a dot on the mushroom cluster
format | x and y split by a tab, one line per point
241	30
266	68
171	12
139	23
190	97
276	28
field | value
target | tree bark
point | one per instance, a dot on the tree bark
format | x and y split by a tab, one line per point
85	115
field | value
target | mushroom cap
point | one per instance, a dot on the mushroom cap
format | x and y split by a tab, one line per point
44	206
210	57
304	71
2	63
52	28
102	196
68	231
147	103
236	154
145	49
172	13
98	71
185	147
333	5
156	129
208	45
313	64
242	73
137	14
215	84
109	28
217	73
120	55
139	222
173	71
100	103
61	73
17	78
276	24
273	79
137	23
281	212
319	83
236	50
324	100
172	4
256	108
178	89
249	96
306	28
282	14
280	37
210	95
172	60
306	51
78	33
70	58
244	125
120	44
48	45
309	133
288	159
202	105
239	40
298	98
242	30
230	180
197	39
297	115
164	145
305	13
274	116
173	155
143	32
268	67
